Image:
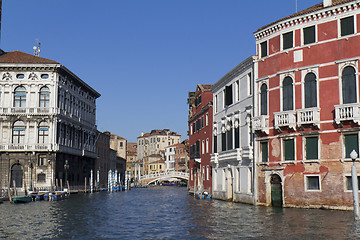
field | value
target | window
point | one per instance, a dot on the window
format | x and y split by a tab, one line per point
228	95
311	148
312	183
264	151
289	151
351	143
207	145
215	103
20	76
288	94
20	97
41	177
215	144
349	183
202	147
229	136
207	173
349	85
44	76
121	144
223	141
43	132
237	97
347	26
310	90
207	119
18	132
287	40
263	49
237	137
249	84
309	35
42	160
263	99
44	97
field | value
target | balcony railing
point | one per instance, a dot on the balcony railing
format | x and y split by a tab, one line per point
285	119
347	112
261	123
234	154
308	116
26	147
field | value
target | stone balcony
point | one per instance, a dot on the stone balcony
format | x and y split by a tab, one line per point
347	112
308	116
285	119
261	123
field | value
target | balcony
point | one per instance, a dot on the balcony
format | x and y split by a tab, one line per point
230	155
261	123
285	119
27	111
308	116
347	112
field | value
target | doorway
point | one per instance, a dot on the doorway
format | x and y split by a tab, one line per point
276	191
16	175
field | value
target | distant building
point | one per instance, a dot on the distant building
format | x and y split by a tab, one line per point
200	138
102	163
119	144
154	163
232	159
47	128
131	160
154	143
176	158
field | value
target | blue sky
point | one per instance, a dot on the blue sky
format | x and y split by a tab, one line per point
143	56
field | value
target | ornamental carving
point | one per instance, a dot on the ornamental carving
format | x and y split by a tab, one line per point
7	76
33	76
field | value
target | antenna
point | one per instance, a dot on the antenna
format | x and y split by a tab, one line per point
37	48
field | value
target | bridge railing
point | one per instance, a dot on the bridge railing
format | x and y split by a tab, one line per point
165	174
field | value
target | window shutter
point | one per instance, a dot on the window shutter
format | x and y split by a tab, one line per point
215	144
288	40
263	48
237	137
264	99
351	143
347	26
310	91
287	94
264	151
223	141
289	150
309	35
349	85
312	148
229	139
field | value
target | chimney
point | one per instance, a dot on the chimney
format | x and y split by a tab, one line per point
327	3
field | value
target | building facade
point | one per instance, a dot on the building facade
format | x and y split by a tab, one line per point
176	157
47	127
307	101
200	139
102	163
232	160
131	160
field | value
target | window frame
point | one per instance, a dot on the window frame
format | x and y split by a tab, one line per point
306	185
292	91
283	150
340	34
18	134
20	97
262	143
261	52
303	35
346	179
283	42
344	144
305	148
262	106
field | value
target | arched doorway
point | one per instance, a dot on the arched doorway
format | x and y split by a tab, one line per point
16	175
276	191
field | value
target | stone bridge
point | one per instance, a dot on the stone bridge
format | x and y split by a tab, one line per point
147	179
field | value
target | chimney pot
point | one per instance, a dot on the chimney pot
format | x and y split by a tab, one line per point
327	3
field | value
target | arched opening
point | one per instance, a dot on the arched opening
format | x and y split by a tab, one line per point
276	191
16	176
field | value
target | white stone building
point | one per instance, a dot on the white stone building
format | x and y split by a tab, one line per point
232	157
47	123
170	158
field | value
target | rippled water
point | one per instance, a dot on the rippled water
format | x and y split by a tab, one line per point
167	213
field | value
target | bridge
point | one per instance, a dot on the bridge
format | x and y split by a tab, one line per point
148	179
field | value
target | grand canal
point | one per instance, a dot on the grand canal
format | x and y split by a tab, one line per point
167	213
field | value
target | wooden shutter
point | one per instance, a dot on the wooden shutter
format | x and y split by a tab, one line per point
287	40
349	85
309	35
310	90
289	150
312	148
263	48
263	99
287	94
347	26
264	152
351	143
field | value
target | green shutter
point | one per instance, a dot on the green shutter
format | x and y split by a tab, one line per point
351	143
264	151
309	35
347	25
289	150
312	148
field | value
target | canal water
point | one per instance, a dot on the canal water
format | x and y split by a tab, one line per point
167	213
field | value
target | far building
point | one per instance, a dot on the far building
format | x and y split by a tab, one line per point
200	138
131	160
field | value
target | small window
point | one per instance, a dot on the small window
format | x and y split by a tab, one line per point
263	49
228	95
264	151
312	183
289	151
311	148
20	76
347	26
41	177
42	160
349	183
351	143
309	35
287	40
44	76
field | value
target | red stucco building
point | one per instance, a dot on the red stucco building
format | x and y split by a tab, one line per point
200	138
307	106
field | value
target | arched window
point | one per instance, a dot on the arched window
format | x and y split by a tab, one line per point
20	97
310	90
288	94
44	97
349	85
18	132
43	132
263	99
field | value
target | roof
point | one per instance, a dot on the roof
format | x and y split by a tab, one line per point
314	8
21	57
205	86
176	145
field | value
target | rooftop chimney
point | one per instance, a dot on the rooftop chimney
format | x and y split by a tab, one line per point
327	3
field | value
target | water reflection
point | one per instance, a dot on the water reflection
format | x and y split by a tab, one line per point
167	213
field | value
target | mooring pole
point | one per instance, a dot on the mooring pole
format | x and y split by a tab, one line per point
355	188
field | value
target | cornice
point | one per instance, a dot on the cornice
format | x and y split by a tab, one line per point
28	67
316	15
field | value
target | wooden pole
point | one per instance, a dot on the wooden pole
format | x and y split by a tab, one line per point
68	187
9	194
61	186
85	183
56	184
15	191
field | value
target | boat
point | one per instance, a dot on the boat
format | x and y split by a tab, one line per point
167	183
21	199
